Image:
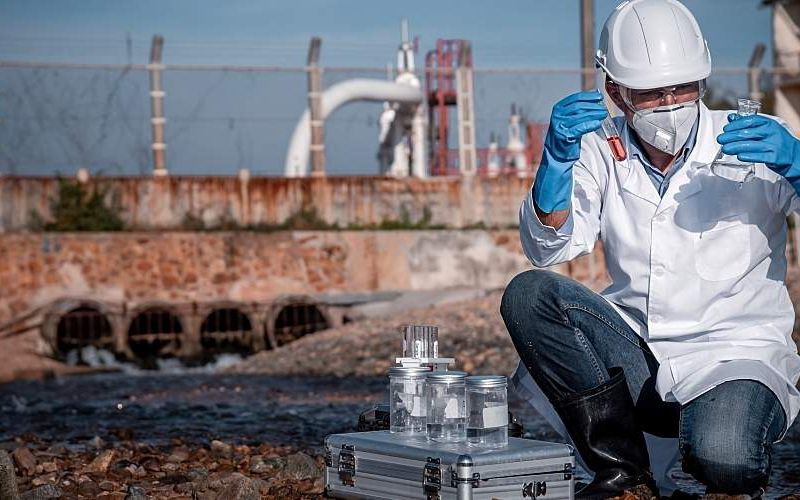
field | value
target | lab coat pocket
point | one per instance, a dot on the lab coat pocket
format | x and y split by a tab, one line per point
722	253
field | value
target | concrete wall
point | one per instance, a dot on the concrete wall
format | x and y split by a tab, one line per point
148	203
133	268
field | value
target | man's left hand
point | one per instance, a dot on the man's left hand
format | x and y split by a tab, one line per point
759	139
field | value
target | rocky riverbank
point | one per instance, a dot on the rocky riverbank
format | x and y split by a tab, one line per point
471	331
137	471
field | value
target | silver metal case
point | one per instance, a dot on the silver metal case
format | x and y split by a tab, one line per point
381	465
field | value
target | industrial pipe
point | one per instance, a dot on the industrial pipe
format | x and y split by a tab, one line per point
337	95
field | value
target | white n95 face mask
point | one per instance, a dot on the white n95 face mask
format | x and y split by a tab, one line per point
666	128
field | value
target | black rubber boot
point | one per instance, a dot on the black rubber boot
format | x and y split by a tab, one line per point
602	425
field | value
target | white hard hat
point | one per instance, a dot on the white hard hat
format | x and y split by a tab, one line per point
647	44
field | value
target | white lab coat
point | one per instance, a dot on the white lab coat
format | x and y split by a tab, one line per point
698	274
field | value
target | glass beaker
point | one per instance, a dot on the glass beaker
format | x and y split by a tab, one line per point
728	166
407	405
446	406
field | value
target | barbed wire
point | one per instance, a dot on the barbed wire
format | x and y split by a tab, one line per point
61	116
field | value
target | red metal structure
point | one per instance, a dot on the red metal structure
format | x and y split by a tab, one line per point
440	67
440	87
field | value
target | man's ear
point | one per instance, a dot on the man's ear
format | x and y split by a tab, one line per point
613	92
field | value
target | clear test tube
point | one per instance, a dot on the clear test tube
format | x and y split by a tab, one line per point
613	139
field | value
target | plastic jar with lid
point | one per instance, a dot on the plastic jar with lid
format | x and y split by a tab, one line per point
487	411
407	405
446	406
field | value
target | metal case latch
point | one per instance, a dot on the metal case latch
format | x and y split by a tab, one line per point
568	471
535	489
347	465
432	478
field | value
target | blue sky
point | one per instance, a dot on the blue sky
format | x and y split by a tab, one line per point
218	122
354	32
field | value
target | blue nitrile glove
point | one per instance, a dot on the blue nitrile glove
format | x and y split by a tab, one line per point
572	117
760	139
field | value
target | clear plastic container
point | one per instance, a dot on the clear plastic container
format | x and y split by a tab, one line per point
407	405
728	166
420	341
446	406
487	411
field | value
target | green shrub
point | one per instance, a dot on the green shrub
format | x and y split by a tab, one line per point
78	208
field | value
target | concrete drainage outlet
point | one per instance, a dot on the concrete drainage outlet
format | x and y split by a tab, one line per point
226	330
83	327
155	333
297	320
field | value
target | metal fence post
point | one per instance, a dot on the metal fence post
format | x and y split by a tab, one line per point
315	109
157	107
754	72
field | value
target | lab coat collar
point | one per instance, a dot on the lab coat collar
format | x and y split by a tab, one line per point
635	180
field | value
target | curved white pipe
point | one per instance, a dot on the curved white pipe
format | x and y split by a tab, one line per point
350	90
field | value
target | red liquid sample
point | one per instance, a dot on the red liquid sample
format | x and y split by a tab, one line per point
617	149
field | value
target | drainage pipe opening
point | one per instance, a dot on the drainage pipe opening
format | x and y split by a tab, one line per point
226	330
297	320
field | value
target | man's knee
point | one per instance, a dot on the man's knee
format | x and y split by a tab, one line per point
728	460
527	290
727	444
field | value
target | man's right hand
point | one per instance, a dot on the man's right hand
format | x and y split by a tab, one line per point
572	117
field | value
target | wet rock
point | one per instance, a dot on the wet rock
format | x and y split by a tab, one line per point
114	495
135	471
25	461
258	465
46	479
89	489
178	455
43	492
301	466
197	474
107	486
151	464
276	464
206	495
238	487
221	449
135	493
49	467
101	464
8	481
184	488
170	467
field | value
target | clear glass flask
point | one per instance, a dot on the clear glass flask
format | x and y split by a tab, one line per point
487	411
728	166
407	405
446	406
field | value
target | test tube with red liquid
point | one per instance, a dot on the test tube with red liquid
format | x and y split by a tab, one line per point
614	140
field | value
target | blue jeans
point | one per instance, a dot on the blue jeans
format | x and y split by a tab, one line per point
568	336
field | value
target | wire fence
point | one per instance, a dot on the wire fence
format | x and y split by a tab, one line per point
56	118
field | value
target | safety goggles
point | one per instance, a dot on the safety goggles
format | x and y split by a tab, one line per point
639	99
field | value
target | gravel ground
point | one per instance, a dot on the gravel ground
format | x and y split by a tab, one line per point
471	331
